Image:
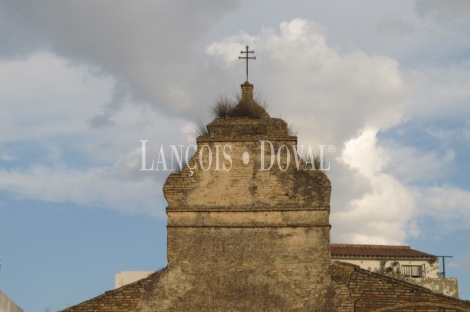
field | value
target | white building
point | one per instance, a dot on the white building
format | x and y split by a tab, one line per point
126	277
400	262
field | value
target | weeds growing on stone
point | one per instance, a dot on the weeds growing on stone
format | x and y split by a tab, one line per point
201	129
225	105
222	106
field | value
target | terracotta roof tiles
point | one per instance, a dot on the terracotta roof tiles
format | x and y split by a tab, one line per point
376	251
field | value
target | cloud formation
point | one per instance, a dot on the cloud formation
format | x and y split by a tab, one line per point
383	214
340	99
318	87
98	95
150	49
50	152
386	83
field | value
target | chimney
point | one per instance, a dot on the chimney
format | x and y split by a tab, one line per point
247	92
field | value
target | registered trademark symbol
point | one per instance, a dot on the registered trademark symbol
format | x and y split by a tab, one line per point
331	148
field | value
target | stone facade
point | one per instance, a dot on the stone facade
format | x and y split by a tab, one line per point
245	239
241	238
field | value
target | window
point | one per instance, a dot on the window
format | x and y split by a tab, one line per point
413	270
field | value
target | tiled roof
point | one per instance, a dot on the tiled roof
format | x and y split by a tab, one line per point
368	291
124	299
377	251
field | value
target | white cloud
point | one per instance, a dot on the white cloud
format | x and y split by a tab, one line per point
7	156
330	95
441	92
448	204
93	187
391	209
46	106
452	13
150	48
383	213
44	96
363	155
338	98
228	50
446	134
411	165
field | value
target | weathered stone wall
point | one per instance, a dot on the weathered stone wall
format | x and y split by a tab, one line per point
446	286
243	238
238	274
124	299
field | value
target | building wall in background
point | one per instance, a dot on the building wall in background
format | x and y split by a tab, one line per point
128	277
7	305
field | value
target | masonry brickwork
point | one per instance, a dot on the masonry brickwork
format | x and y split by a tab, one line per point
242	238
245	239
357	289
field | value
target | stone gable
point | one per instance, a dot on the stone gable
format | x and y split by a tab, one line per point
245	239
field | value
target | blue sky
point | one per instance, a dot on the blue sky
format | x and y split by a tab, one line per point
81	83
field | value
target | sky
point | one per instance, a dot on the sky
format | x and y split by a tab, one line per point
387	83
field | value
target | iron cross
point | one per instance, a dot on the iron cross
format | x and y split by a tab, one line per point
247	58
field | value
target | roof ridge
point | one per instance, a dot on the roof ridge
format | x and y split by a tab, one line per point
116	290
371	246
399	281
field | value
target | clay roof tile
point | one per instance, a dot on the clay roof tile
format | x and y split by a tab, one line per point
377	251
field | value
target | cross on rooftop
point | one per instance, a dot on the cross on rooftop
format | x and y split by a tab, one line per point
247	58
